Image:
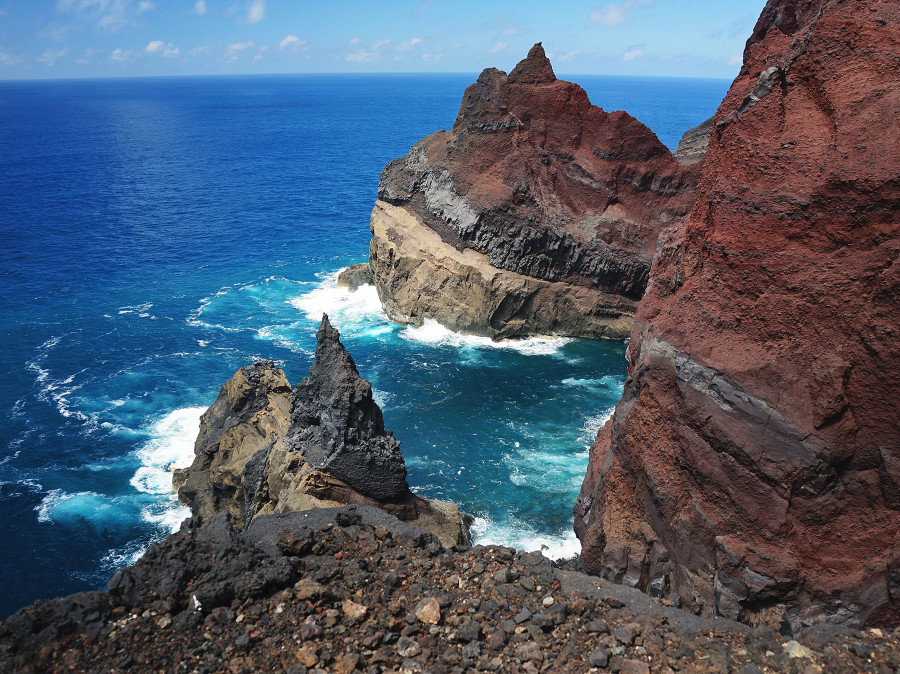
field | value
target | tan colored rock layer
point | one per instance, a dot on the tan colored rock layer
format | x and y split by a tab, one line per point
419	276
244	466
564	198
752	464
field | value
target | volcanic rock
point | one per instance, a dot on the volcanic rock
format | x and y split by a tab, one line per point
333	589
752	464
538	213
338	428
262	449
694	143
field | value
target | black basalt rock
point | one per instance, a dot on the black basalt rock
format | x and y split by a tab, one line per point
338	428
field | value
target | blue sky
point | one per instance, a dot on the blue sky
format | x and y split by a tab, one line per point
116	38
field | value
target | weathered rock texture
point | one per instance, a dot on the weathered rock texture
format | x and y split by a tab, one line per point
694	143
538	213
352	589
262	450
753	463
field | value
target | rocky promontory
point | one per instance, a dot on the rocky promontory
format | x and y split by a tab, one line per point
351	590
753	463
537	214
265	449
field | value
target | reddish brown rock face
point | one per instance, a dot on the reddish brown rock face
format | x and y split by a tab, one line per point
753	464
542	184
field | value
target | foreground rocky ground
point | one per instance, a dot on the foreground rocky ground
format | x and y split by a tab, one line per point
353	589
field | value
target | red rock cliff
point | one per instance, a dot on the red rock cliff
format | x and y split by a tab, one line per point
538	213
753	463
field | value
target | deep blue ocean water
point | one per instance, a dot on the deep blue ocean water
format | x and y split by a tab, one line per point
158	234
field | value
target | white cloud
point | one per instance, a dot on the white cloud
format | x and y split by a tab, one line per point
632	54
85	58
121	55
432	57
257	11
8	59
614	15
406	46
512	30
231	53
567	57
291	42
735	60
158	46
500	46
146	6
51	56
365	55
203	49
200	7
108	15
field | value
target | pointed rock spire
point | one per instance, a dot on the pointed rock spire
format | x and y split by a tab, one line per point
338	428
534	68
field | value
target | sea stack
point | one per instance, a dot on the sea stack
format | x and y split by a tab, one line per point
753	463
537	214
263	449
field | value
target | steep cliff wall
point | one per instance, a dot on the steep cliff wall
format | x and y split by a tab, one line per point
753	464
538	213
263	449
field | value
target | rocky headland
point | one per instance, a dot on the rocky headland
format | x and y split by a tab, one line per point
264	448
749	474
537	214
753	463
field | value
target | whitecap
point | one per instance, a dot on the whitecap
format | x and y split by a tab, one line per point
592	426
171	445
346	310
53	390
61	506
433	333
516	534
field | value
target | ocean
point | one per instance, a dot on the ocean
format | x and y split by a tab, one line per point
160	233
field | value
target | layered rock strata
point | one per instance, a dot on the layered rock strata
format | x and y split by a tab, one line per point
538	213
263	448
694	143
752	464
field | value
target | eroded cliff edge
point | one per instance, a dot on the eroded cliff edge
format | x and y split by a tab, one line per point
265	449
753	463
537	214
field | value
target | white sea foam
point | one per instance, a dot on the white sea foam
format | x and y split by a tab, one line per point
170	446
56	391
61	506
345	309
592	426
434	334
519	535
126	555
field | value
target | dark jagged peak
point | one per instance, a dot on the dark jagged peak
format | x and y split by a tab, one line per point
338	428
533	69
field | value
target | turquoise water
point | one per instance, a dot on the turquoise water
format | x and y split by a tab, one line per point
159	234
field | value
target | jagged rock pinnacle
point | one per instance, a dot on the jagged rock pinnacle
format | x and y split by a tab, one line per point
534	68
338	428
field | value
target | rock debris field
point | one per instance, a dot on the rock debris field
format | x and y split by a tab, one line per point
352	589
